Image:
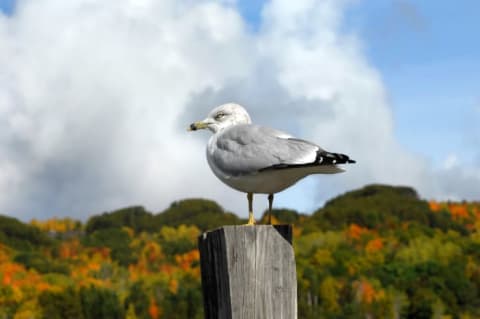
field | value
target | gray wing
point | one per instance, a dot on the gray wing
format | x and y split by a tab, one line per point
245	149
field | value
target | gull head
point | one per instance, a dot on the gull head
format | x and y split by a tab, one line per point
221	117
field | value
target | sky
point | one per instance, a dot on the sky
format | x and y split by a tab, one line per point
95	97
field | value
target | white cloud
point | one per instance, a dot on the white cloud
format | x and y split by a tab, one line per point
95	97
90	92
450	162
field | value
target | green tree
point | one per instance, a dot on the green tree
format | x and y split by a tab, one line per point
116	239
100	303
61	305
41	263
138	299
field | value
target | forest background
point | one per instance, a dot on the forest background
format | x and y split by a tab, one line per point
375	252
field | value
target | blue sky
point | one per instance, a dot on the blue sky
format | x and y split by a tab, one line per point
430	61
425	53
7	6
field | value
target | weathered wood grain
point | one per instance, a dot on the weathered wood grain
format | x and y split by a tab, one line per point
248	272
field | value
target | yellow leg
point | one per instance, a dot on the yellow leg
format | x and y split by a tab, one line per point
270	203
251	219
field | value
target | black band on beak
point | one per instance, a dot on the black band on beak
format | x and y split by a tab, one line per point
193	127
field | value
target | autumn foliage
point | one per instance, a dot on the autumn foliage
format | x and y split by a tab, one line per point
376	252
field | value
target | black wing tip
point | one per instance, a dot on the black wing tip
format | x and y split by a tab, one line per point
323	158
327	158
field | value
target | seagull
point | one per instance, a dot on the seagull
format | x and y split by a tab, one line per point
260	160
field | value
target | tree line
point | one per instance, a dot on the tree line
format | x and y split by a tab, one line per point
376	252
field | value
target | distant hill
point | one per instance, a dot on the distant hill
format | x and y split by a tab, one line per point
370	206
135	217
205	214
202	213
284	216
21	236
376	206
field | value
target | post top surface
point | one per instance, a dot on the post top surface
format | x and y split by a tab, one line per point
285	230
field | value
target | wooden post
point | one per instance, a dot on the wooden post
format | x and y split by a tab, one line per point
248	272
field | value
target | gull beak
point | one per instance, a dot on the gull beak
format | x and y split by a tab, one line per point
197	126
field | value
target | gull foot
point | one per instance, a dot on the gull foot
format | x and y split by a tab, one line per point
251	221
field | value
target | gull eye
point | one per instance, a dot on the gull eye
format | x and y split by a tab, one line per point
219	116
